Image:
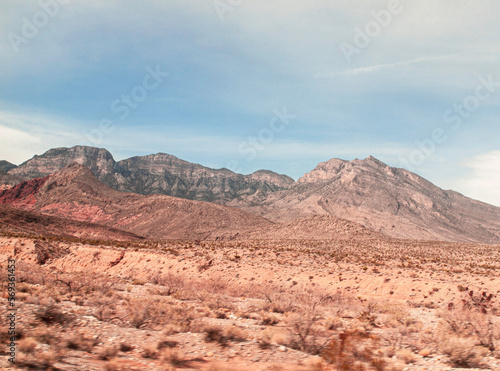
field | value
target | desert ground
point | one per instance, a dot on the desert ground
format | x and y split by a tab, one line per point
371	304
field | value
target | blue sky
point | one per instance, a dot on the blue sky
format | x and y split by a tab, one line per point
259	84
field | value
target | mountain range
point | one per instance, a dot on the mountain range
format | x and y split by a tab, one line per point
154	174
160	196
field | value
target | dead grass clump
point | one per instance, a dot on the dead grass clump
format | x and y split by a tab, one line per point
406	355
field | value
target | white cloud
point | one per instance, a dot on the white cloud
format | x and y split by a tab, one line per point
484	181
23	135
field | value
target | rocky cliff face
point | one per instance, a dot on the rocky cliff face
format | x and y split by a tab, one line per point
155	174
98	160
166	174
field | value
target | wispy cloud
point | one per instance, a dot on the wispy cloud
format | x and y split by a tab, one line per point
385	66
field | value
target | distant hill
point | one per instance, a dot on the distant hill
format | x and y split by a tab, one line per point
30	223
75	193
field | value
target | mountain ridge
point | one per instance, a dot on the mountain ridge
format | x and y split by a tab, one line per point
387	200
159	173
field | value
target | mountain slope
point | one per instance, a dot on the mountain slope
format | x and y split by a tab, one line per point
75	193
393	201
5	166
155	174
5	179
17	220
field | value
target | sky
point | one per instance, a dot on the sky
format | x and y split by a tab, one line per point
259	84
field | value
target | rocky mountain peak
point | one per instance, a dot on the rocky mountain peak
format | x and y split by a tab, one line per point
5	166
98	160
280	180
335	168
325	170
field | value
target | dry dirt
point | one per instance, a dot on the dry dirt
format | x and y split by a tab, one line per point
374	304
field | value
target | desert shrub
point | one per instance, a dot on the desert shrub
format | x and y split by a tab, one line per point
172	283
235	333
354	350
174	357
108	352
481	301
52	313
273	336
38	360
269	319
463	353
307	333
115	364
81	341
215	334
27	345
103	309
166	344
481	329
224	335
74	283
406	356
150	351
125	347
